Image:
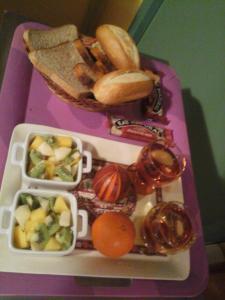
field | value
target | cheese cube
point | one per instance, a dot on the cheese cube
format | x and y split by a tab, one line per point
38	140
64	141
38	215
52	245
20	240
60	205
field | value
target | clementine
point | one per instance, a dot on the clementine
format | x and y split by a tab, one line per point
113	234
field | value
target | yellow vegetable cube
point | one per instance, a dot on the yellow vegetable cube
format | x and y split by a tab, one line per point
64	141
30	226
38	140
60	205
52	245
20	240
38	215
50	169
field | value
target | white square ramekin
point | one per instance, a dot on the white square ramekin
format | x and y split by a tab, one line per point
48	182
71	200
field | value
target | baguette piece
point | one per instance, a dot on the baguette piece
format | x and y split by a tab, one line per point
44	39
84	52
118	46
57	64
123	86
100	57
85	75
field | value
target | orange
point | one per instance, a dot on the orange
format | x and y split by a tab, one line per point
113	234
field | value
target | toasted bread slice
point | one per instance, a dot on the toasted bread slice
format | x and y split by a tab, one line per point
58	64
44	39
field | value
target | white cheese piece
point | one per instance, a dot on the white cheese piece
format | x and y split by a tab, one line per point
64	219
48	220
76	155
44	204
45	149
61	153
74	169
22	214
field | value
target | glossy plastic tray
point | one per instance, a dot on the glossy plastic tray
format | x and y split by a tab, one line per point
25	98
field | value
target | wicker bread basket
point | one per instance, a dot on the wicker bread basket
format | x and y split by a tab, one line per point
89	104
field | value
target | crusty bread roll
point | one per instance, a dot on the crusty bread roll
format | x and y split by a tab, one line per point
118	46
122	86
153	76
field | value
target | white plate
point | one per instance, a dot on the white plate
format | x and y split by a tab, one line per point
86	262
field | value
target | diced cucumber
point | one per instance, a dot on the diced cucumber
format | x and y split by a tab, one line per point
51	140
32	202
43	202
64	237
51	202
29	200
43	235
48	220
35	156
68	160
37	170
52	229
64	174
23	198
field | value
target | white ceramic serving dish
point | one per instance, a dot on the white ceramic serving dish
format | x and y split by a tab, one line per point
72	202
90	262
22	162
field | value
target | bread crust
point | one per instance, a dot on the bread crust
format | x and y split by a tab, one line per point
118	46
122	86
47	34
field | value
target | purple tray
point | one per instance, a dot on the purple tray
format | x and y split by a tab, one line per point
25	97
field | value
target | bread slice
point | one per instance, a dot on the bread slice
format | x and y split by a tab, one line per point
57	64
44	39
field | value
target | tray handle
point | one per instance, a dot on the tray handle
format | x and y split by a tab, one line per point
84	227
15	148
88	166
3	210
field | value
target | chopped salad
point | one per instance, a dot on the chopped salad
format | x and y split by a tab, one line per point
42	223
53	158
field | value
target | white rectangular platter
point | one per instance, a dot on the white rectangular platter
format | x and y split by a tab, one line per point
90	262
